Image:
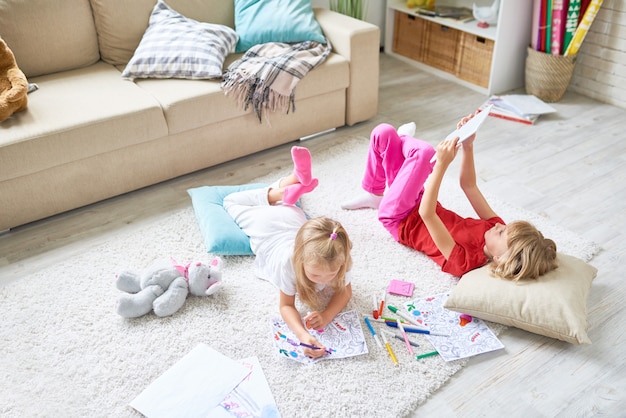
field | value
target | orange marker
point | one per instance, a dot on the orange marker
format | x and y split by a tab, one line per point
375	311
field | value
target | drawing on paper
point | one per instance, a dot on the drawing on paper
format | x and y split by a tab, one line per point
252	397
468	336
343	336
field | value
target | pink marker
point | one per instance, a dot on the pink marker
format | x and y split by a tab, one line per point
406	338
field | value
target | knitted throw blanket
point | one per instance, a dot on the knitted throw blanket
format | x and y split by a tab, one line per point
267	74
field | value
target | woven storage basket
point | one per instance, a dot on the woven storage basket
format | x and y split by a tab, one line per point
474	59
442	47
547	75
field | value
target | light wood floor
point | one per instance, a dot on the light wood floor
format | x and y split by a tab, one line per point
570	167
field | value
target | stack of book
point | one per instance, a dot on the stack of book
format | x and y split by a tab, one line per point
523	108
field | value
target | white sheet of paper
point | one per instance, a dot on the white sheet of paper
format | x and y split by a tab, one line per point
471	127
252	398
193	386
527	104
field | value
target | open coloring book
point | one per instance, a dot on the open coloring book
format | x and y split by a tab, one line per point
468	336
343	337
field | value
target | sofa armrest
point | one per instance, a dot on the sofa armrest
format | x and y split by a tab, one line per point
359	42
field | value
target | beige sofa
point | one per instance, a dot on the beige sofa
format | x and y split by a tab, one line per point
88	134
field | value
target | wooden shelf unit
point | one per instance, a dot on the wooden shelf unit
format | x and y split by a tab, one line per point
489	60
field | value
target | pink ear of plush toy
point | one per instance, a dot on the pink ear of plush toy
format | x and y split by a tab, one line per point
13	84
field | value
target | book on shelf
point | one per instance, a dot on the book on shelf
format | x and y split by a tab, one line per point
523	108
548	39
559	16
534	39
571	22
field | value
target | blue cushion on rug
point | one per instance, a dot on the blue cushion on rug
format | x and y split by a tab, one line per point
222	235
262	21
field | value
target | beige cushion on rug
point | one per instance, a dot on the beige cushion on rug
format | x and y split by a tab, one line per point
554	305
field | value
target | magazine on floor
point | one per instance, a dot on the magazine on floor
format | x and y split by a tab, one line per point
523	108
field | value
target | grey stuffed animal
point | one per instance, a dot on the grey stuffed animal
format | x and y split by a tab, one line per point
163	287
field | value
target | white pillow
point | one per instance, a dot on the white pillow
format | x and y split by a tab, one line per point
175	46
554	305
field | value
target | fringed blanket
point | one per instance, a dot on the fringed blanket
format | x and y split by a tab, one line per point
267	74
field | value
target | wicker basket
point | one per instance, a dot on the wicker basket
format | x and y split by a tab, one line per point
474	59
547	75
442	47
410	36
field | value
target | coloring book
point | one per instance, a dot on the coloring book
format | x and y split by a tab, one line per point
468	336
343	337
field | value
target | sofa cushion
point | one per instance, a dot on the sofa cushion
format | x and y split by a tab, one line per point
122	23
78	114
175	46
261	21
191	104
49	36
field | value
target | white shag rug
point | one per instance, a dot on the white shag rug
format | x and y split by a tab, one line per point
65	352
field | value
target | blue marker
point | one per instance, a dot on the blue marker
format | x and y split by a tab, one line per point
369	325
409	328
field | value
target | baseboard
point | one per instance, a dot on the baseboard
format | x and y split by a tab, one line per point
315	135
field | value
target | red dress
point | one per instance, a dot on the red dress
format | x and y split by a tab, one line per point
468	233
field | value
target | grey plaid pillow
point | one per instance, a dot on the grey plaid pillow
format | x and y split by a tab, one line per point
175	46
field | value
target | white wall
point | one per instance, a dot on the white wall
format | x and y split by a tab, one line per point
375	13
600	71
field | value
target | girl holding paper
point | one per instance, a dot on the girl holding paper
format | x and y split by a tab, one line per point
307	257
402	180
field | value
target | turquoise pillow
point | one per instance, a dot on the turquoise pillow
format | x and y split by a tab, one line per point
262	21
221	234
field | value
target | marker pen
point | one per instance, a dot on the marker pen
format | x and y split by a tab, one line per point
391	353
312	347
404	315
410	328
369	325
400	337
421	356
406	339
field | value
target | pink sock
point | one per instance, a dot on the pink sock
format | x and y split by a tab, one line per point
302	164
295	191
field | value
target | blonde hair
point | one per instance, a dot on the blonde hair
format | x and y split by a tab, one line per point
321	241
529	254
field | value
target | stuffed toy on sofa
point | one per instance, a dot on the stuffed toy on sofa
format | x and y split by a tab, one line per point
13	84
163	287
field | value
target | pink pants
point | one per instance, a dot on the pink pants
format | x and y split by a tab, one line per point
401	164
